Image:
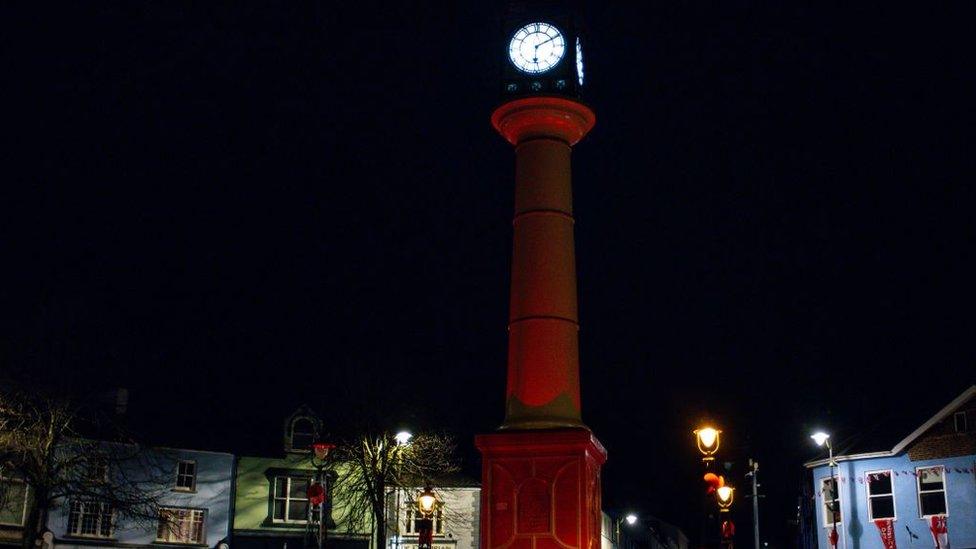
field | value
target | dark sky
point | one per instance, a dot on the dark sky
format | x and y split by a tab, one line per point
232	209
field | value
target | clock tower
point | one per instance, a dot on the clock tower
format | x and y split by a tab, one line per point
541	470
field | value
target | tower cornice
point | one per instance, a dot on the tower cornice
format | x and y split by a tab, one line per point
543	117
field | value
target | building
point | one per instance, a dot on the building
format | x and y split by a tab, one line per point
456	517
271	504
272	508
192	489
900	492
648	532
13	508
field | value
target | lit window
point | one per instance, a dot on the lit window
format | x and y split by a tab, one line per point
831	501
186	476
291	500
180	525
959	418
881	498
931	491
302	434
13	501
91	519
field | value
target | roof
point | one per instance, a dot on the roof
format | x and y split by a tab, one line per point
454	480
862	453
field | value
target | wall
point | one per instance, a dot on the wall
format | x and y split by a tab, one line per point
253	492
213	493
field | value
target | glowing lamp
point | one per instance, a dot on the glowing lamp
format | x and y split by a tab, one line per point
403	438
725	494
820	437
708	441
426	501
631	519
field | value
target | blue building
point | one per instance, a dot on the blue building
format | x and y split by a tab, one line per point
899	492
193	490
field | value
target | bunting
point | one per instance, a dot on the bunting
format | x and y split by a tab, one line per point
940	532
886	527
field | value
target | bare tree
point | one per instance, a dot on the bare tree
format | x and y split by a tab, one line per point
41	443
369	465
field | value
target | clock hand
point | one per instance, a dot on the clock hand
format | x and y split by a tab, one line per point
544	41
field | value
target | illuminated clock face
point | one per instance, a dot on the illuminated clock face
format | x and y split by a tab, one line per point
536	47
579	61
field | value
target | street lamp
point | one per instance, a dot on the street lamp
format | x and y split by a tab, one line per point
707	439
822	438
631	520
426	502
317	494
403	438
725	494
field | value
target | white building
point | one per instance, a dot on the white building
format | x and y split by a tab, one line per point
456	519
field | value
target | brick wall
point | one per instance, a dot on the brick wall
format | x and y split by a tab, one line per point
943	441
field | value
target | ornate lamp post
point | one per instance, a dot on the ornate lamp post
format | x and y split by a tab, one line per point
707	439
318	492
724	495
822	438
402	439
630	518
426	502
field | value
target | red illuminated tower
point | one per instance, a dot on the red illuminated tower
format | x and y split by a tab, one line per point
541	471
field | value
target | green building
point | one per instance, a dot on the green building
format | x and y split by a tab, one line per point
272	509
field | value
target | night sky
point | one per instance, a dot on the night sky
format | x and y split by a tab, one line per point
233	209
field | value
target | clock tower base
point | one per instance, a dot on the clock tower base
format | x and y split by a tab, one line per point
541	489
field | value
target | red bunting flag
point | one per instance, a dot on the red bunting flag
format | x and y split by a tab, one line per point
886	528
940	532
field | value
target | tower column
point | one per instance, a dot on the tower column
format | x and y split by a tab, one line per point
541	473
543	349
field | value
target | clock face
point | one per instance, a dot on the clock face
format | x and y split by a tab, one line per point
579	61
536	47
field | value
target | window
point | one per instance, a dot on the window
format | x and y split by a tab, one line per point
931	491
180	525
186	476
13	501
91	519
291	500
881	498
96	469
959	418
302	433
831	501
413	516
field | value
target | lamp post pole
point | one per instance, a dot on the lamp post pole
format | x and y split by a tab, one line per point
402	439
630	518
835	497
822	438
708	440
754	473
425	504
320	451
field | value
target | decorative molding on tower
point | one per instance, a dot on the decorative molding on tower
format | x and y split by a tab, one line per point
543	116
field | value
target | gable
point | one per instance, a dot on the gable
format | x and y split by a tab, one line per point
943	440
